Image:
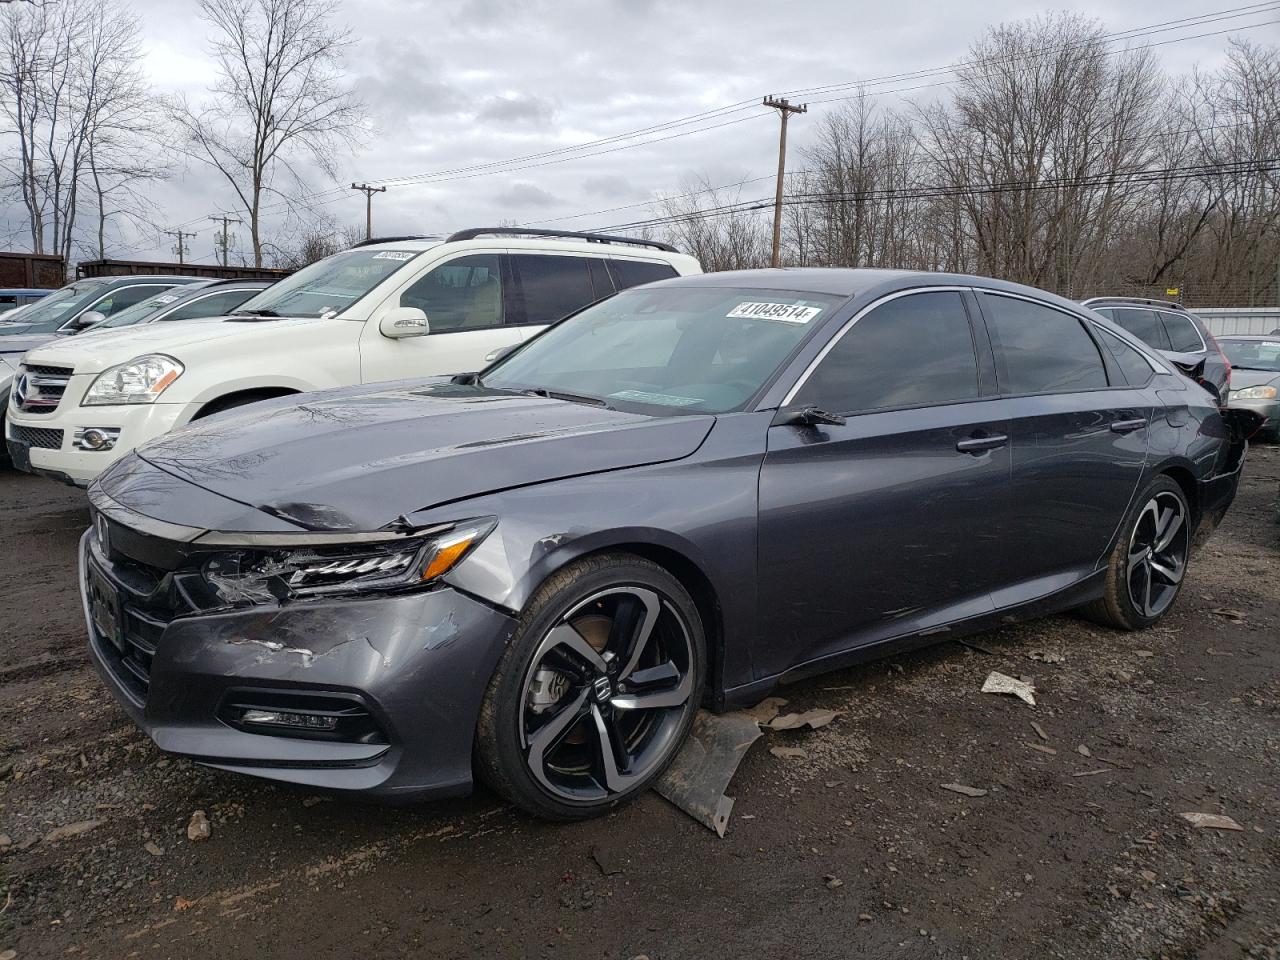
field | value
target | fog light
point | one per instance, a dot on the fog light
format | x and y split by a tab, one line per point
289	719
96	438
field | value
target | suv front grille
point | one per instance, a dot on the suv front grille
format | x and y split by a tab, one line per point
39	389
38	437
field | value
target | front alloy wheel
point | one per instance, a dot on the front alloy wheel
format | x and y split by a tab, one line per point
597	691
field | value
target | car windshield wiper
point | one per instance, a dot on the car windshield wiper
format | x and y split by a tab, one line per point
1241	366
260	312
561	395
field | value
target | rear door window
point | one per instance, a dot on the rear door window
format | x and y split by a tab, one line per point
1182	332
632	273
552	287
913	350
1041	349
1137	371
1143	324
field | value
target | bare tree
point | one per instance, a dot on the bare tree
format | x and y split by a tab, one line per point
67	72
736	240
279	99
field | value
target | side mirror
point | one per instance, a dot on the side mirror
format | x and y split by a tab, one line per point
88	319
501	353
400	322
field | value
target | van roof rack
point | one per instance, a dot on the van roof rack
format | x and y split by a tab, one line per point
1145	301
411	236
567	234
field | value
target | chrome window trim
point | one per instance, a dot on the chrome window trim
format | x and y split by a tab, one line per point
1204	347
848	325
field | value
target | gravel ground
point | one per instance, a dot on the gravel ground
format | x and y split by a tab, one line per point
1076	849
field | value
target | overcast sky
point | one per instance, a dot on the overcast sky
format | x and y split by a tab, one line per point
455	84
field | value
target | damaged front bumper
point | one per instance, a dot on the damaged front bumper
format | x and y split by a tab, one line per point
403	674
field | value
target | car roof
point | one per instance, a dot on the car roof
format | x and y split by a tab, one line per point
146	278
857	282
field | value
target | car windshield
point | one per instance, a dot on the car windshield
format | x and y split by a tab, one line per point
667	350
1252	354
138	312
49	313
327	286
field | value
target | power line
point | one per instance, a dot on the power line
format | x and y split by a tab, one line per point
1107	178
574	152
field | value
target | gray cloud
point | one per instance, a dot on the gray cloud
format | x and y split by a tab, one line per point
456	86
524	195
520	108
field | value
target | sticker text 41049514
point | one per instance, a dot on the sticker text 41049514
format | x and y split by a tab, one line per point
786	312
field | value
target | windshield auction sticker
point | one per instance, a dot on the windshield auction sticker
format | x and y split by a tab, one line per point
395	255
786	312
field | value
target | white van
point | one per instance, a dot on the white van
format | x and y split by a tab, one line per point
384	310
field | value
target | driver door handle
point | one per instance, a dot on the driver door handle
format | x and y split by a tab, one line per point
977	445
1127	426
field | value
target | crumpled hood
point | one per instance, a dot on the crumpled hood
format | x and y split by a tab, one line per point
94	351
1252	378
351	460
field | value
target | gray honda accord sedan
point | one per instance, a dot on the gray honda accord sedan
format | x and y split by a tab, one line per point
686	494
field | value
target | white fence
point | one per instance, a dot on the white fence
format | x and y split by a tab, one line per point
1223	321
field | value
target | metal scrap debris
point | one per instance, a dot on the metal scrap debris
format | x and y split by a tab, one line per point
1235	616
697	780
997	682
1211	821
967	791
813	719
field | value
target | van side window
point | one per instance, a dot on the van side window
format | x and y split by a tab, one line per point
461	294
552	287
632	273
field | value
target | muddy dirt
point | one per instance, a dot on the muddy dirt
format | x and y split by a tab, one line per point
854	849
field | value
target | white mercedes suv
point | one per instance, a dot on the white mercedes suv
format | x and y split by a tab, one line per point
384	310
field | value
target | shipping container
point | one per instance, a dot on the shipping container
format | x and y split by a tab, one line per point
32	270
213	271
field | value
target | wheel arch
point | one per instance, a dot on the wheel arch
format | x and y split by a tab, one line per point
678	558
1182	475
251	394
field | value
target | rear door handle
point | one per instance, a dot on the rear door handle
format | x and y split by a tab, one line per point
976	445
1127	426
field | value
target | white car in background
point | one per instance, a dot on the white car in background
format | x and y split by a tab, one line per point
385	310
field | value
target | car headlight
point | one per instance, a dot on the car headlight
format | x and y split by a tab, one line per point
1254	393
257	575
141	380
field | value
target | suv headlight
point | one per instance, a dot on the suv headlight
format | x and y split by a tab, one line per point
258	575
141	380
1254	393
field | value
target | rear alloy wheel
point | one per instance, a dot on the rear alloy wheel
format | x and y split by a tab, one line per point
1149	562
596	692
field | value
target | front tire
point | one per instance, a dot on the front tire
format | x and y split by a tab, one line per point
1149	561
596	692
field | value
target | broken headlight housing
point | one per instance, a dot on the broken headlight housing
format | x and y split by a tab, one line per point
263	574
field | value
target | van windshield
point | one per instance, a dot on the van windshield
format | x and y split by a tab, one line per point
328	286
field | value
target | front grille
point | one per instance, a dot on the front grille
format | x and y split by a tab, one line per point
38	437
38	389
48	371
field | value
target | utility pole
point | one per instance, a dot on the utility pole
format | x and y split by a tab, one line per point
368	192
785	109
223	240
180	249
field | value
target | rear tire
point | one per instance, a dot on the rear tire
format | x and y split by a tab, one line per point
596	692
1148	564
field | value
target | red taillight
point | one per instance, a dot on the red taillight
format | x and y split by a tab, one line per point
1227	363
